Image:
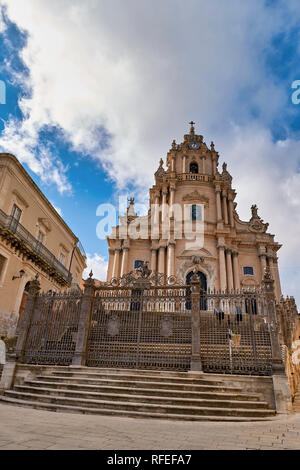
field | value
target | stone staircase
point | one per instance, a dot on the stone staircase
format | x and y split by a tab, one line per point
138	393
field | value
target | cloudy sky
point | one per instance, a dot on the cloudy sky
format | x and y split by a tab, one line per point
97	90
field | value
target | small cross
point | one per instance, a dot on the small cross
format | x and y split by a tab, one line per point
192	123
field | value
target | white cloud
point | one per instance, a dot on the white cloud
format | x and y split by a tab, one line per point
141	71
98	265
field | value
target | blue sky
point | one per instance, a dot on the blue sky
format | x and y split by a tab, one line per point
97	91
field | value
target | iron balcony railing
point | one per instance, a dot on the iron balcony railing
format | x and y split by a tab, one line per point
9	222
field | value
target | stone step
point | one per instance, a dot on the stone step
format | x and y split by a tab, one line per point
138	382
136	376
142	391
198	402
126	413
117	406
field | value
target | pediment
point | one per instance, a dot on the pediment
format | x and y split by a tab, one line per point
196	196
46	223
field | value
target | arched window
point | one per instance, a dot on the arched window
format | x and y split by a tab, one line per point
196	212
194	168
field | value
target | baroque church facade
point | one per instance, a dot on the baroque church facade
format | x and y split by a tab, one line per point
193	225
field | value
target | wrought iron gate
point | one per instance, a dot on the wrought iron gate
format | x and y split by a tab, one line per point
53	329
234	337
143	328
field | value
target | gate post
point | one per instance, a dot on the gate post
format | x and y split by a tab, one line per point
269	293
33	292
79	358
8	373
195	289
281	385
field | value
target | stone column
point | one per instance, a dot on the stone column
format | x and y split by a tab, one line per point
214	160
225	210
229	272
195	295
218	201
184	164
161	260
263	264
203	165
79	358
222	267
155	219
236	270
171	259
124	261
110	264
153	259
33	293
164	215
173	164
115	272
230	210
278	292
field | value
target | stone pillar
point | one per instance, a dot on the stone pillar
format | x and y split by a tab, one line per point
161	260
124	261
164	215
229	272
278	292
153	259
173	164
110	264
33	293
236	270
269	293
9	369
218	201
155	228
115	272
184	164
171	259
222	267
281	385
214	161
263	264
195	295
203	165
230	210
225	210
79	358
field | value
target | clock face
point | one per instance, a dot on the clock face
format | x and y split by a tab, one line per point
194	145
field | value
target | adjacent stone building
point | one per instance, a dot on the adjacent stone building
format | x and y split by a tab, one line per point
227	252
34	240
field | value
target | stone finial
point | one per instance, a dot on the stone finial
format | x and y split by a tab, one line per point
174	144
224	166
91	274
212	146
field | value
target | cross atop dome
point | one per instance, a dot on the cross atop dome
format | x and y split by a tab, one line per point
192	129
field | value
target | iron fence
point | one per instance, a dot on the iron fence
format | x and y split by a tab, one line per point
148	323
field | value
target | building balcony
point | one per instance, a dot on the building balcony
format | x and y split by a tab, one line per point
19	238
194	177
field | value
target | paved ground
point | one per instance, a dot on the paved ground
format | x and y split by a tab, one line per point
23	428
